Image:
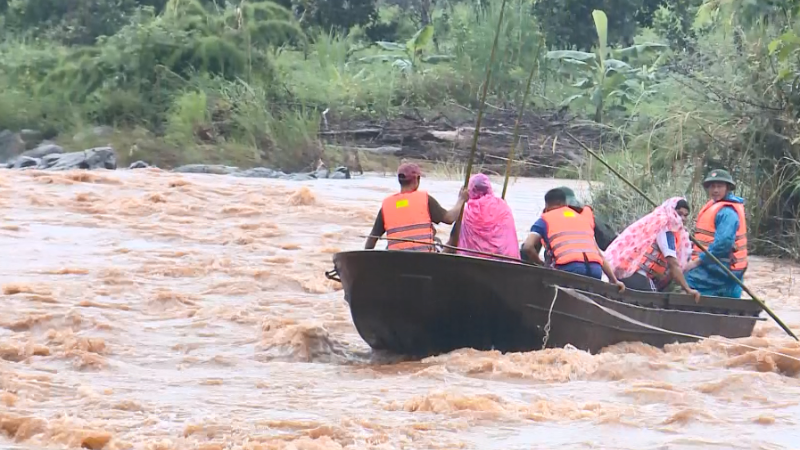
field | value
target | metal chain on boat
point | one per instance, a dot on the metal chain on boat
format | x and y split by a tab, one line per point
549	314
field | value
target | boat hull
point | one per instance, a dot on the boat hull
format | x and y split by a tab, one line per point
423	304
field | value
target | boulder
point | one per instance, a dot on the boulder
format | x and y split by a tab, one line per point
10	145
216	169
297	177
340	173
259	172
44	149
49	160
139	165
93	158
24	161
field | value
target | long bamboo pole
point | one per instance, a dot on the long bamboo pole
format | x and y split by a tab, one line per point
713	258
484	90
515	139
481	107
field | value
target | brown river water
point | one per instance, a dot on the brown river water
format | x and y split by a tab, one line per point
159	311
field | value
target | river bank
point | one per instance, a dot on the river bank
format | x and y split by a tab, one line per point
154	310
440	137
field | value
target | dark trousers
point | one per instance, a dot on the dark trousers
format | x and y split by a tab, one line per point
639	282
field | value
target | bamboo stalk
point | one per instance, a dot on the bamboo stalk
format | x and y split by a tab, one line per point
482	105
515	139
713	258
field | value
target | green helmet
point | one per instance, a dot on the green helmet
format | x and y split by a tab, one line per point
571	199
720	175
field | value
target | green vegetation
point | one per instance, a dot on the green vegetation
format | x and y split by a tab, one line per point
677	86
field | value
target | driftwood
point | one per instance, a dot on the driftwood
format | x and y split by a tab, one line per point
542	149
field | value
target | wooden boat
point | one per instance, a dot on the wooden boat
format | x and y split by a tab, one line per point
423	304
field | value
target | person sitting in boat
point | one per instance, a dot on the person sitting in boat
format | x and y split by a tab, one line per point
410	214
654	250
487	224
603	234
722	229
569	238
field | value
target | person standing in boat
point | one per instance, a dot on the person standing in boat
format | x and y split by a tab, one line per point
569	238
411	213
722	228
487	224
653	251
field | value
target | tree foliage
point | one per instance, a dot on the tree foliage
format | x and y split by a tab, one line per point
564	21
257	75
603	75
336	15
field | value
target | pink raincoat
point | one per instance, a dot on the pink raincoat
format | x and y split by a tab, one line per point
627	250
487	224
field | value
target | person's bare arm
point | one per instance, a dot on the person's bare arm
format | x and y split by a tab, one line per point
530	248
677	274
610	273
453	214
377	231
453	240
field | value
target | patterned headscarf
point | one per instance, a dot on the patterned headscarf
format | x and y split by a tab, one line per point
628	249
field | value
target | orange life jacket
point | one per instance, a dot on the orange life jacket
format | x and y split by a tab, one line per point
654	263
588	212
406	216
705	228
570	237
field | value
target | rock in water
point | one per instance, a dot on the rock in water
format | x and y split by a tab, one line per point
35	154
340	173
23	162
43	150
206	168
297	177
93	158
139	165
259	172
321	173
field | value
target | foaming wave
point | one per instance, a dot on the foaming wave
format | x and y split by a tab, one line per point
756	353
302	197
494	407
559	365
68	431
292	341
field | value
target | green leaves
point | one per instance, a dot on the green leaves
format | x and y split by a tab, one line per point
603	74
601	24
421	39
410	53
571	54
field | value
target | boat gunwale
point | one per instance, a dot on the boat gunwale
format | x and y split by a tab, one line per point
660	301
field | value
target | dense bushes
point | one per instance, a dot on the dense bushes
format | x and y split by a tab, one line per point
245	82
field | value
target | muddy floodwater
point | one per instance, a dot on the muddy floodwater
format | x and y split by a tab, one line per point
159	311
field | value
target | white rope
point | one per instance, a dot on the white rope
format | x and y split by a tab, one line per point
619	315
550	313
